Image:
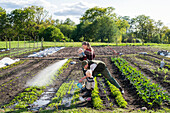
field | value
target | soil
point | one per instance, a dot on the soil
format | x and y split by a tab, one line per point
130	95
20	74
145	69
105	91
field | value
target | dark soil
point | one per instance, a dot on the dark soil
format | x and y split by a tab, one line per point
130	96
16	82
105	93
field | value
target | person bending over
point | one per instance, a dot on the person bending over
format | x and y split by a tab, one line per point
99	67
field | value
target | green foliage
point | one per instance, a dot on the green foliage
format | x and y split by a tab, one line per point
62	91
118	96
28	96
97	102
93	13
52	33
150	92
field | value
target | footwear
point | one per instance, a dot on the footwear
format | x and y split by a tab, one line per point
81	99
121	90
88	99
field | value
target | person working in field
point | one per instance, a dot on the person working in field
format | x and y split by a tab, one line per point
97	67
89	86
162	64
88	52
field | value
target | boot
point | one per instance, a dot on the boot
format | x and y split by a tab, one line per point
121	90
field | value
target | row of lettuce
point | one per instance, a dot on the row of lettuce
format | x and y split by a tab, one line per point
98	102
150	92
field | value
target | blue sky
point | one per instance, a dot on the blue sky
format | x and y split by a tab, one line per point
74	9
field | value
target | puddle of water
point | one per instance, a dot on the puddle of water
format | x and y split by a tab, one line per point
43	100
45	76
66	101
40	103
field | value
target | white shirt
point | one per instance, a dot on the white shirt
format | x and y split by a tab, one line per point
93	66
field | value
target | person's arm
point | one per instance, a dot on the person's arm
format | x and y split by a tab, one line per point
82	79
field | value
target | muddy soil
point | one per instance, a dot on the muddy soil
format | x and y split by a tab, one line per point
134	49
16	83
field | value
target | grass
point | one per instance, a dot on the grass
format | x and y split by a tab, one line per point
90	110
14	44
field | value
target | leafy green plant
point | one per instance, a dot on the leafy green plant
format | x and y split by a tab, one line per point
151	93
28	96
96	100
117	94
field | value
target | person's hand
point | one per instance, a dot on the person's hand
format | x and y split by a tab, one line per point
80	80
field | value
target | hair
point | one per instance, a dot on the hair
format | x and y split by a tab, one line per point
88	45
89	72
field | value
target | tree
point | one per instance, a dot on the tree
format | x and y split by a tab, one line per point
83	30
3	22
105	29
167	36
68	21
67	30
122	25
141	23
93	13
52	33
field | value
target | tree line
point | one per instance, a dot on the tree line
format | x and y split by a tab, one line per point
96	25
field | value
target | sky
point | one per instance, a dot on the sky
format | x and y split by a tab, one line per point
74	9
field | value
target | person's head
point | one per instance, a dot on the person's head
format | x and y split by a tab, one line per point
86	45
80	50
162	59
89	73
85	64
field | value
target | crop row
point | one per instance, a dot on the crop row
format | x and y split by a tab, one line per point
16	53
96	100
13	65
117	94
151	93
62	91
153	71
145	57
27	97
105	94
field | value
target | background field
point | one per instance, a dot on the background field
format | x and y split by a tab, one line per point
27	44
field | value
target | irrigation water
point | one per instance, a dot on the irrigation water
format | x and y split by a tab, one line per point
46	75
42	79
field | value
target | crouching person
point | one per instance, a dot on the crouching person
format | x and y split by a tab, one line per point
89	86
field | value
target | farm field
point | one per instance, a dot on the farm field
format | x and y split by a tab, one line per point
31	44
145	85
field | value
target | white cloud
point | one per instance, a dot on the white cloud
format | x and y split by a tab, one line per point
10	5
76	9
73	11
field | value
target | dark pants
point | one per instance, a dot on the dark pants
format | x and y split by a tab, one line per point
88	92
107	74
